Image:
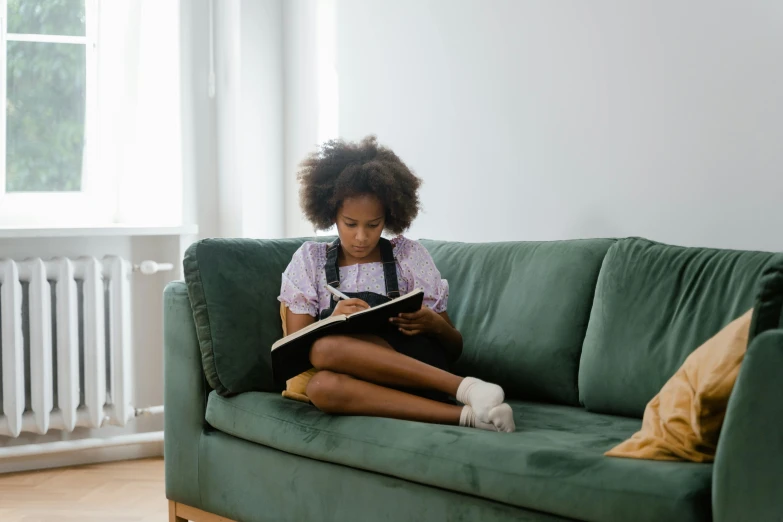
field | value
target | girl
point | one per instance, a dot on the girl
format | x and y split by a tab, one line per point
402	371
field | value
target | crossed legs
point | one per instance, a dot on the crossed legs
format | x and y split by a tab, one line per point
358	376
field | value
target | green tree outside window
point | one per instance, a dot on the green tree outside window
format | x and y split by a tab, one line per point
45	97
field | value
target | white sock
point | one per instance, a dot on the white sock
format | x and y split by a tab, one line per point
503	419
479	395
468	419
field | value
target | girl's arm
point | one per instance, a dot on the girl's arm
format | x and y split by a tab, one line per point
419	271
439	325
295	322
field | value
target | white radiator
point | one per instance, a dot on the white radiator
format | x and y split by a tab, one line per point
65	326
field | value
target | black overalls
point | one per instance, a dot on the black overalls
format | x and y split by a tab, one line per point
421	347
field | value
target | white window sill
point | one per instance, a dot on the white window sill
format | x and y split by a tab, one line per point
101	231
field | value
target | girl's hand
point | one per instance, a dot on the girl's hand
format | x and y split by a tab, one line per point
350	306
425	321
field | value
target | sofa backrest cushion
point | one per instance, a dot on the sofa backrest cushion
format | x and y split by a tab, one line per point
655	304
768	310
233	286
522	308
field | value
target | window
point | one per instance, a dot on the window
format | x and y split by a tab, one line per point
91	131
49	124
46	95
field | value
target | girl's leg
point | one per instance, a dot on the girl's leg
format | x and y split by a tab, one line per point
371	359
367	359
338	393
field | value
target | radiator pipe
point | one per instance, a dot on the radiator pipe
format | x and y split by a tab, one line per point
152	410
67	446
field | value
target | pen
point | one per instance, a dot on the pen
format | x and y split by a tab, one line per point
335	292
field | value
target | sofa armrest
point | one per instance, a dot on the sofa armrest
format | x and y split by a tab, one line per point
749	460
185	396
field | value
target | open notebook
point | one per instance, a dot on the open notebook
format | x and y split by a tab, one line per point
291	354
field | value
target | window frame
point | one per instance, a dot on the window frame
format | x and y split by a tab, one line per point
93	204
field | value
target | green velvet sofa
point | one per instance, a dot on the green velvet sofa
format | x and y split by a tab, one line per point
581	334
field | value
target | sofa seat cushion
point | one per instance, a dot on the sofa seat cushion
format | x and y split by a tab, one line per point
553	463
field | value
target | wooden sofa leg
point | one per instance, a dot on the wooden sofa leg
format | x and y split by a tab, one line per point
173	513
184	513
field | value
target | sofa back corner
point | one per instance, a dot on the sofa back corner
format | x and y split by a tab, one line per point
654	305
233	286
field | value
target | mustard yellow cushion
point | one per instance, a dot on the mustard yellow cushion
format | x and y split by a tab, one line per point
296	387
684	420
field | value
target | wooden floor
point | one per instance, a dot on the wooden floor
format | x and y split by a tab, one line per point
129	491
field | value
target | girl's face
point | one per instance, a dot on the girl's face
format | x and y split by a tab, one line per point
360	221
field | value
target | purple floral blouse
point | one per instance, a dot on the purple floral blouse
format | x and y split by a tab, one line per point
303	288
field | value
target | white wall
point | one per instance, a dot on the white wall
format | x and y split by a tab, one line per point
537	120
249	121
301	102
261	106
199	142
310	101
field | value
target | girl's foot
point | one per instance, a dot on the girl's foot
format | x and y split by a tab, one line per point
480	396
502	419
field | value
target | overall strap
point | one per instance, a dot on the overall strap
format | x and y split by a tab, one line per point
389	269
387	259
332	270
